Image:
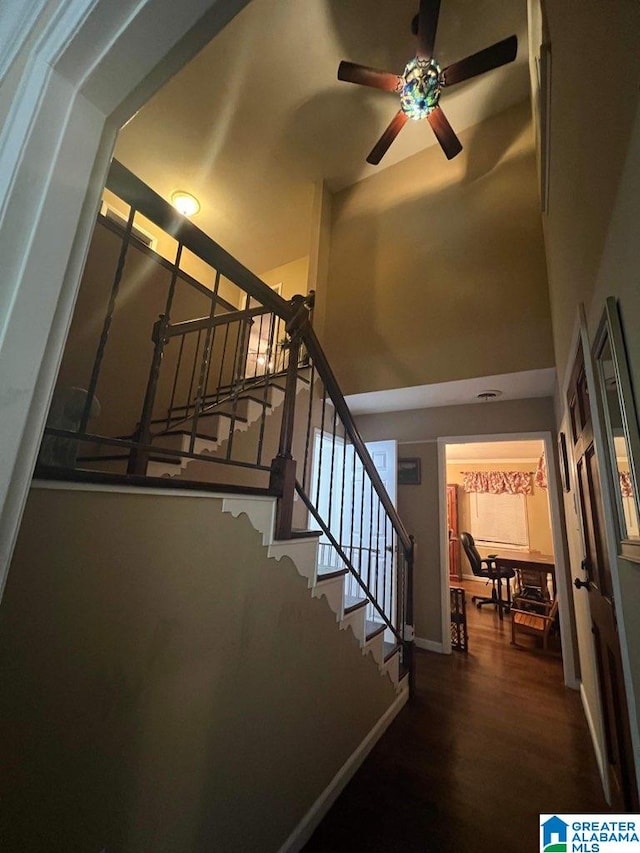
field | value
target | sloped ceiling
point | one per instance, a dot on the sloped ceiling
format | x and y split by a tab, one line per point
258	116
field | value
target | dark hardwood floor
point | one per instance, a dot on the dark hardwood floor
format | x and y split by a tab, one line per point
491	739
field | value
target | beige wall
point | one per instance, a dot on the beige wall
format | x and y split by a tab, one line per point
537	503
593	252
177	690
293	276
588	149
167	248
437	270
419	506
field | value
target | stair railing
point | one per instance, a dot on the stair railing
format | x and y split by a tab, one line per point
314	460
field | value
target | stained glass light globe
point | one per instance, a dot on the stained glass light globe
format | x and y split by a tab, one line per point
421	91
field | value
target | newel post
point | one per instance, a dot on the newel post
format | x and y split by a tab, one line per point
139	456
283	466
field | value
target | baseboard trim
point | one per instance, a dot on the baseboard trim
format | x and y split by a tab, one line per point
596	745
429	645
304	830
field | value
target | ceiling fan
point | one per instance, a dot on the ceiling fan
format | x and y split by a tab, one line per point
423	80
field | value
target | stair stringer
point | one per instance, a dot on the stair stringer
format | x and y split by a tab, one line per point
303	553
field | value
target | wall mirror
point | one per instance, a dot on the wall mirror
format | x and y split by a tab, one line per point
621	424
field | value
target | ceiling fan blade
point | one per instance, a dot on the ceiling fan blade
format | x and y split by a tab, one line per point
380	148
385	80
445	135
491	57
427	27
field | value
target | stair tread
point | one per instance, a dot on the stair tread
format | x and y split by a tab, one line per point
352	602
300	533
373	628
241	396
204	415
199	435
325	576
390	649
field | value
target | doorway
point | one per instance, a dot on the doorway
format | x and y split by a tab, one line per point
499	489
344	498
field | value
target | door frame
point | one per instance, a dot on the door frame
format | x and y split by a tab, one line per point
582	337
72	80
565	600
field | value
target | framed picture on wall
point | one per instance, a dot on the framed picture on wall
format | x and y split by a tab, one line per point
408	472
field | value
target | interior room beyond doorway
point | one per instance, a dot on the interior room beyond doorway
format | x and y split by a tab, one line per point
498	504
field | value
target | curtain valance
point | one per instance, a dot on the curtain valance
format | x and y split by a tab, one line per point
497	482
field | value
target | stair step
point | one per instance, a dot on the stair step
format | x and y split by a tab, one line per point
210	400
373	628
352	602
305	534
203	415
390	649
328	575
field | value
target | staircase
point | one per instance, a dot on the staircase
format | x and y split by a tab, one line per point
240	412
350	611
243	401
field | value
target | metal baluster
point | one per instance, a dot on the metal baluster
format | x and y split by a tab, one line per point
388	559
204	370
324	406
224	355
344	467
237	370
333	456
373	588
193	373
266	388
214	298
384	578
138	458
361	528
308	436
353	502
174	278
106	325
175	382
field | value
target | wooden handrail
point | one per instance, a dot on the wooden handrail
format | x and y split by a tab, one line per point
201	323
136	193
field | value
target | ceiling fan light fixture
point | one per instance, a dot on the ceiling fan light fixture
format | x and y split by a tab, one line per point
422	86
185	203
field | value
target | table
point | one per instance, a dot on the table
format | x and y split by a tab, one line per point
506	559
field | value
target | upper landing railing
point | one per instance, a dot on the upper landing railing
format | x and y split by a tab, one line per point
242	396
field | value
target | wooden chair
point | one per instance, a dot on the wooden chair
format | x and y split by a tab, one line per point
538	624
532	592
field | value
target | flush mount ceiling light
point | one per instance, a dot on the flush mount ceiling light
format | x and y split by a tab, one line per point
423	80
488	395
185	203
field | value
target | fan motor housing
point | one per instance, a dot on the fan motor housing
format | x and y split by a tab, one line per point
422	86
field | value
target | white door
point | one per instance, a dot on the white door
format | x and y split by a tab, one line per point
356	518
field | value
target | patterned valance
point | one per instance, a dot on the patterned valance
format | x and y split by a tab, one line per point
541	473
626	484
497	482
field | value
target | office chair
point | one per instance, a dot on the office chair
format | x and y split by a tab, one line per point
489	571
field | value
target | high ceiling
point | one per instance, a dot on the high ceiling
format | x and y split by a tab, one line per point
258	116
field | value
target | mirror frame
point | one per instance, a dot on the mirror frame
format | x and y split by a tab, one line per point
610	329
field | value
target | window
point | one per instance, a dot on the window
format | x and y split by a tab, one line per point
499	519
